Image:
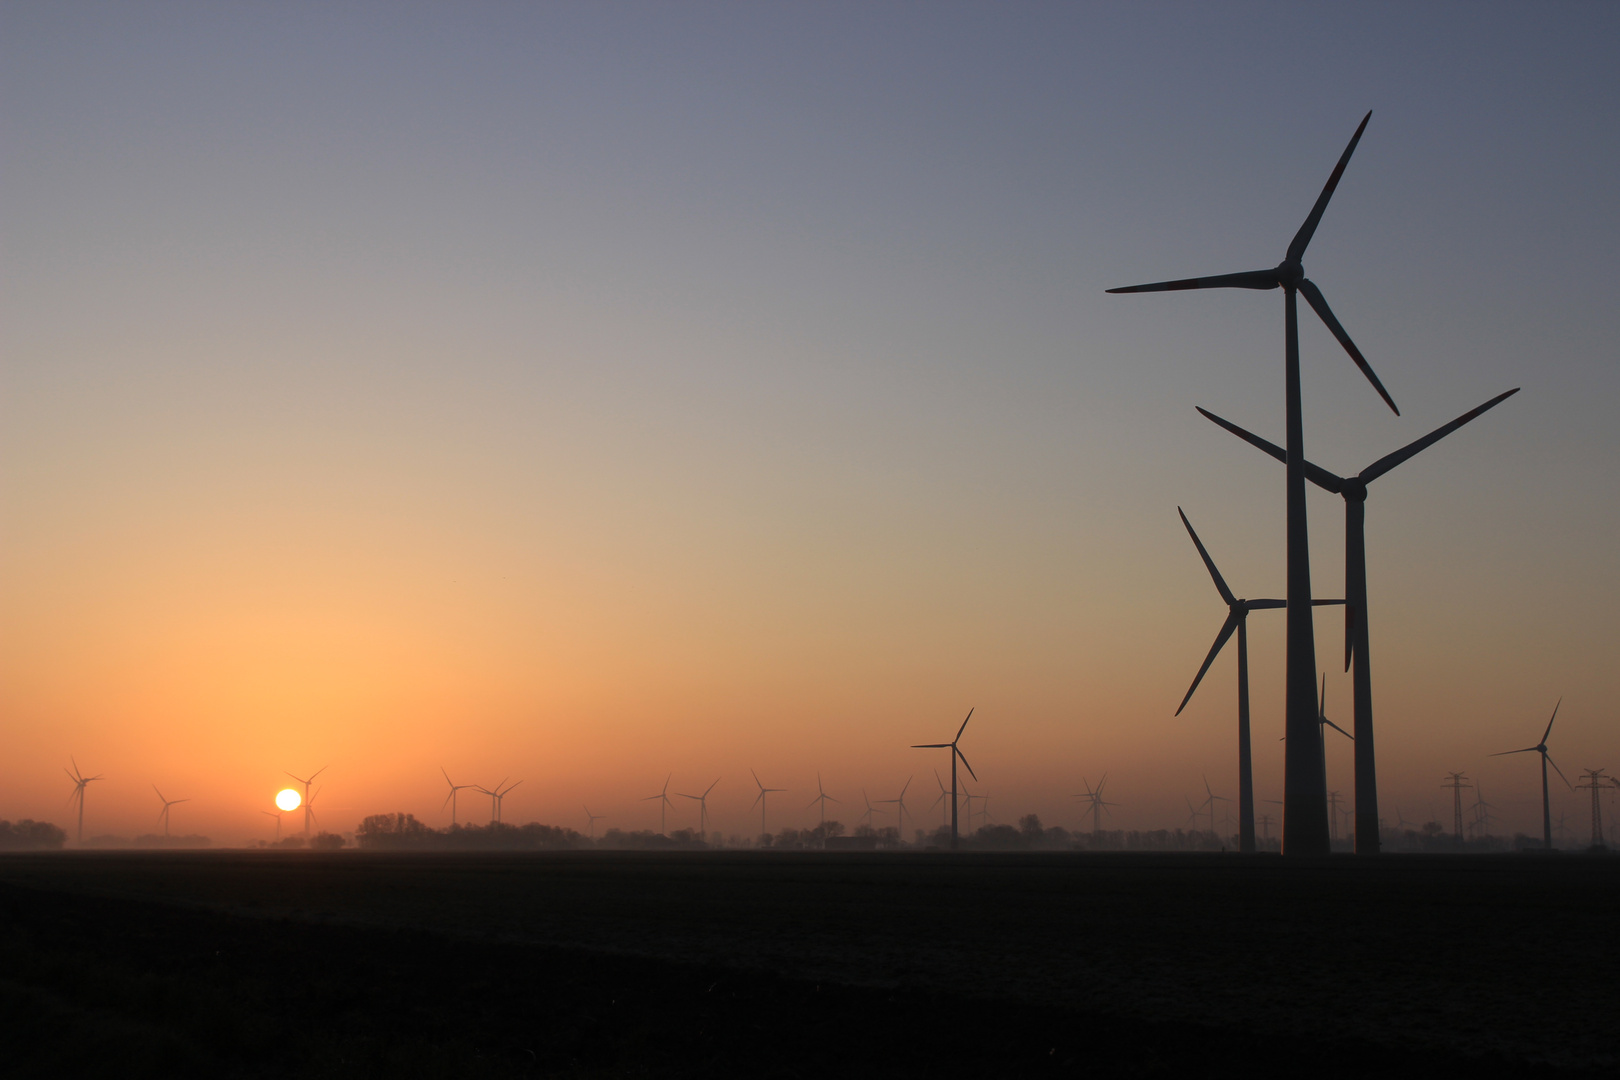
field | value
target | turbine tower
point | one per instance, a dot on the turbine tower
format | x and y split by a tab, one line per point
1305	829
663	806
498	796
80	782
703	807
450	800
956	752
1546	806
163	815
591	820
821	797
277	815
1237	618
759	801
309	803
1354	492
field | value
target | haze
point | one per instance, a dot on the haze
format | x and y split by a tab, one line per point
584	394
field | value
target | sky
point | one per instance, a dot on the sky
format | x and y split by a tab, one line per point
592	394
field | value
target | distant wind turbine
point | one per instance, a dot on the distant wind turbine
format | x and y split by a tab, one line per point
497	796
759	801
900	810
450	800
1546	806
1354	492
80	782
1098	805
871	811
1305	826
592	819
277	815
821	797
943	802
663	806
1237	618
163	815
309	803
956	753
703	807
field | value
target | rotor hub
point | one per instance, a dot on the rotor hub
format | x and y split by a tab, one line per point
1355	490
1290	274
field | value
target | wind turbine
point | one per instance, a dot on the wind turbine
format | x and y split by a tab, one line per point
277	815
1322	724
759	801
821	797
1237	618
450	800
80	782
1354	492
1098	803
163	815
956	752
944	797
309	803
871	811
703	807
1210	799
1546	806
900	810
1305	827
498	796
592	819
663	805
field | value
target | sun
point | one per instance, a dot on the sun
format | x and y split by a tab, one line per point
287	799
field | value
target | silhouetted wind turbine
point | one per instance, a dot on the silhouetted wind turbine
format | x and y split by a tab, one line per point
944	797
80	782
450	800
871	811
759	801
1098	804
1354	492
1546	805
1237	618
956	752
309	803
663	805
277	815
163	815
703	807
1305	827
1210	799
500	794
821	797
592	819
900	810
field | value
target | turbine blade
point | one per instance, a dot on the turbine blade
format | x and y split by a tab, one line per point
1319	304
963	727
1389	461
931	745
1548	732
965	762
1321	603
1264	605
1302	239
1557	770
1339	729
1248	279
1209	563
1231	624
1315	474
1526	750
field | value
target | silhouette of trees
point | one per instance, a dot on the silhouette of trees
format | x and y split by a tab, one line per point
30	835
325	841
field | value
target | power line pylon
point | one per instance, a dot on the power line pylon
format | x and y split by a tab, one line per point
1595	782
1456	783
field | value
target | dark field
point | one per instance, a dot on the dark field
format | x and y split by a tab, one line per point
616	964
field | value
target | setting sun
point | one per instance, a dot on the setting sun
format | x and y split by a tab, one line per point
287	799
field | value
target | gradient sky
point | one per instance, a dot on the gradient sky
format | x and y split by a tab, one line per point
584	393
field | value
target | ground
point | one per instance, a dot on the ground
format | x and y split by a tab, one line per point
681	964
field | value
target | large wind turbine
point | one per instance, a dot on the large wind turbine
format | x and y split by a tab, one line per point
1354	491
821	797
1098	805
663	806
498	796
956	752
1305	830
759	801
703	807
450	800
163	815
1541	748
309	809
1237	618
80	781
